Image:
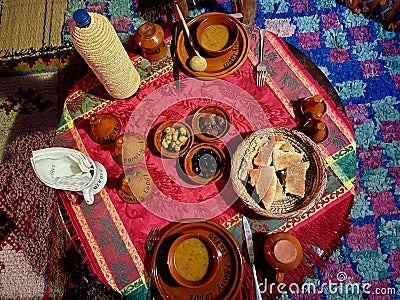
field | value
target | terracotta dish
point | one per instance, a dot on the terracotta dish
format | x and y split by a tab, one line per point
285	202
210	123
129	149
283	252
226	283
104	128
161	135
217	34
204	163
316	130
193	260
313	107
217	67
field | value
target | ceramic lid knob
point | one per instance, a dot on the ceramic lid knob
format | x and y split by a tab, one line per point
104	128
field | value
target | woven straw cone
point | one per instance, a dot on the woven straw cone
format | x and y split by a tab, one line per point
102	50
291	206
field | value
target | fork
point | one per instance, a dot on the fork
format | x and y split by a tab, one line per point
261	69
151	242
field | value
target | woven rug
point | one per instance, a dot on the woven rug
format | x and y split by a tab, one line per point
31	93
362	61
30	26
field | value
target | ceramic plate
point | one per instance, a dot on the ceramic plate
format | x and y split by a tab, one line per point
217	67
224	285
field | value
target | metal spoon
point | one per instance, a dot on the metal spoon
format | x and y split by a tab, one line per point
197	63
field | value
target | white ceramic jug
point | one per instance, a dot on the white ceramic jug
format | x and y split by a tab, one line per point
69	169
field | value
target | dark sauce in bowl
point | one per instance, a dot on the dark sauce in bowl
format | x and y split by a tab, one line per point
205	163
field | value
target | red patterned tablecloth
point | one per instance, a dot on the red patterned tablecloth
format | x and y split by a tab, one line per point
113	232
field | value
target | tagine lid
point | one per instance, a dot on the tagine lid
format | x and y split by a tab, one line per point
136	185
104	128
129	149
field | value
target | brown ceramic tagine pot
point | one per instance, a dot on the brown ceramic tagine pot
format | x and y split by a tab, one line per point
150	38
129	149
104	128
136	185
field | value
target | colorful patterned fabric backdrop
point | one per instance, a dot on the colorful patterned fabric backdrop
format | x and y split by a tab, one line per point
362	61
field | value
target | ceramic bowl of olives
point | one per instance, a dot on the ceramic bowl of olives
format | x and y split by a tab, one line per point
173	138
210	123
204	163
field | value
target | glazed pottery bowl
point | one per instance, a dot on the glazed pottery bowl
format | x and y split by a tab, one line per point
217	34
193	260
173	138
204	163
210	123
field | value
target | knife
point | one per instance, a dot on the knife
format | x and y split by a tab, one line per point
250	250
175	68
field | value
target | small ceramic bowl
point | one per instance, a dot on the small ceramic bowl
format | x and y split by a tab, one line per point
210	123
217	34
193	260
204	163
171	145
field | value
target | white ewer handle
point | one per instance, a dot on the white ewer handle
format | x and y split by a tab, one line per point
88	196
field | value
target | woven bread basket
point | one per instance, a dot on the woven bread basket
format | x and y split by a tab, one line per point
291	205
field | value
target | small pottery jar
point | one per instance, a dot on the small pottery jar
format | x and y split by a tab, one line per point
316	130
136	185
129	149
104	128
150	39
283	252
313	107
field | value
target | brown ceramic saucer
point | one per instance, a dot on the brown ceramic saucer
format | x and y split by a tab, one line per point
217	67
227	281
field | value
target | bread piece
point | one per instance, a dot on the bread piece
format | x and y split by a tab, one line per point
287	147
254	176
279	193
295	178
269	196
263	157
264	181
281	159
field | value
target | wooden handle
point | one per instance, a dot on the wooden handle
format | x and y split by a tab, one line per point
186	29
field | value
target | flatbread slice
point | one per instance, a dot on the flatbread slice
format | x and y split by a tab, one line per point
269	196
295	183
263	157
264	181
282	159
